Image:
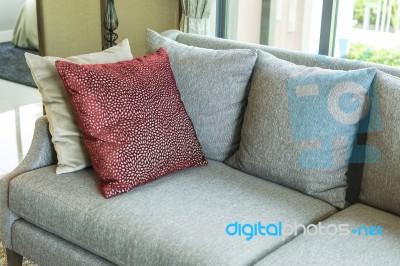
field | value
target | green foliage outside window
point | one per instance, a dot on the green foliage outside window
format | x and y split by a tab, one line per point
359	8
363	52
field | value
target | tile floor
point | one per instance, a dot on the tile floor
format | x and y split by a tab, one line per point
20	106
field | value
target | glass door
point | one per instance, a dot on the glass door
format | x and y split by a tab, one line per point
369	30
357	29
290	24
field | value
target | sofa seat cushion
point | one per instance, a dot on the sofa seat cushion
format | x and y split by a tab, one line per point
177	220
353	248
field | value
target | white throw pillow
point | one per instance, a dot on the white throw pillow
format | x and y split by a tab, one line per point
66	135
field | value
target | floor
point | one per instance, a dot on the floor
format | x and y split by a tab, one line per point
20	106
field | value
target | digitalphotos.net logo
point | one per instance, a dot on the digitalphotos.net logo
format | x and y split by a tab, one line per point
280	229
325	109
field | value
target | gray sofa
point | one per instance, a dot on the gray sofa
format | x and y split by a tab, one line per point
184	218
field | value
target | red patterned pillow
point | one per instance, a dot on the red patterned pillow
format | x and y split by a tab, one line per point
134	124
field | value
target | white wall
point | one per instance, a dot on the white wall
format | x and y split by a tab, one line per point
295	24
244	20
249	21
9	10
286	24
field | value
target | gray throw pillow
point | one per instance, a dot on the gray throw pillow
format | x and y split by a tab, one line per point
214	88
380	184
300	124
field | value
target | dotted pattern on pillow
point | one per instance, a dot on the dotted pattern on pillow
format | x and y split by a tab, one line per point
134	124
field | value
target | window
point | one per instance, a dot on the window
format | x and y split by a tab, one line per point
357	29
369	30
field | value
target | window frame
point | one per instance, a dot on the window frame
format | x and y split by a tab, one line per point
327	32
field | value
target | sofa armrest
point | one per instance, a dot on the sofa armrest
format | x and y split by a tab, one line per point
41	153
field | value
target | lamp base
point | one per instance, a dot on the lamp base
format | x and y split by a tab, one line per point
110	24
110	37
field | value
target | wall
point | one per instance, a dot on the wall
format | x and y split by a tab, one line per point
135	16
9	10
244	20
249	21
295	24
69	27
74	27
286	24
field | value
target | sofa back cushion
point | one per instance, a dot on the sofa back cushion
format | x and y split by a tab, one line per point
380	185
214	88
300	125
354	173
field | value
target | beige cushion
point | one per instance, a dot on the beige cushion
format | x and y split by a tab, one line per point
66	135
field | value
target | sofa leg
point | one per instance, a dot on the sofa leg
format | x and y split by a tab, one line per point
13	259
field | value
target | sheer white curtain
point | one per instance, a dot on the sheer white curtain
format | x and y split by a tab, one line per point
196	16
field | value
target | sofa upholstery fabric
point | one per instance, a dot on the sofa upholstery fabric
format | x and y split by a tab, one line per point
214	87
181	219
296	57
176	220
40	154
354	175
292	135
380	186
32	241
349	249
